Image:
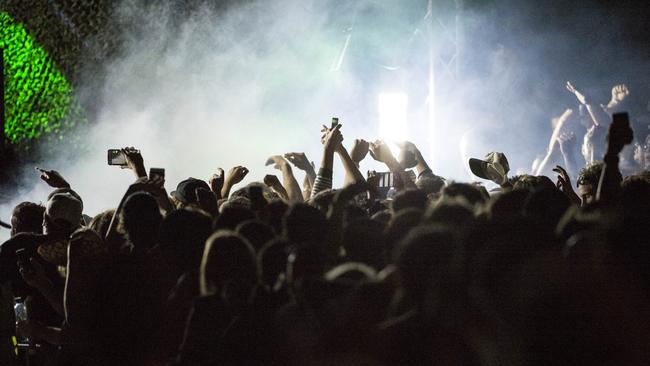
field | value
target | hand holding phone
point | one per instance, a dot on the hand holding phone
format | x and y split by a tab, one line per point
620	133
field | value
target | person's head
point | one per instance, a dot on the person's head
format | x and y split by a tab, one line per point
587	183
27	217
62	213
425	262
454	212
228	266
272	264
256	232
275	211
546	206
430	185
140	219
232	216
101	222
410	198
305	224
508	205
470	192
363	241
185	193
397	228
182	237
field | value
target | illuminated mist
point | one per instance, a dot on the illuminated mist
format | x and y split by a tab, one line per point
234	87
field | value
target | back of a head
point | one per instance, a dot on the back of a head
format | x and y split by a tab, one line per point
275	211
228	258
546	206
398	226
232	216
508	205
140	218
469	192
62	213
410	198
305	224
182	235
425	259
101	222
430	185
454	212
272	262
363	241
27	217
256	232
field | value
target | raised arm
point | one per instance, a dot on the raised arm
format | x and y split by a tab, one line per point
300	161
288	180
552	144
596	117
234	176
331	139
381	152
620	134
351	166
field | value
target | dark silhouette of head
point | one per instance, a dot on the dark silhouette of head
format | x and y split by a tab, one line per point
27	217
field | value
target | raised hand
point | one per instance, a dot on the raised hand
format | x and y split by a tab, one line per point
332	138
236	174
619	93
380	151
564	184
134	161
299	160
53	178
216	182
359	150
567	142
278	162
581	97
273	182
620	134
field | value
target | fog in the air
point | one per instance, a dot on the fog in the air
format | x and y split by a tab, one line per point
219	89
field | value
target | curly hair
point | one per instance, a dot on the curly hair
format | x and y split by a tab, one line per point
590	175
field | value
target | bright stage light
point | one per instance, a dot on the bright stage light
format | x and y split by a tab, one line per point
393	112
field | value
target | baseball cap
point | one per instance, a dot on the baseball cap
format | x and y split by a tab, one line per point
64	210
494	167
185	191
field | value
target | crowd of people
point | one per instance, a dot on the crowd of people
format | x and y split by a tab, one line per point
279	273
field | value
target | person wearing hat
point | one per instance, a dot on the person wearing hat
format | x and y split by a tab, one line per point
185	193
494	167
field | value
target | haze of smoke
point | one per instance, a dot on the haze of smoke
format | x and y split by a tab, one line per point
219	90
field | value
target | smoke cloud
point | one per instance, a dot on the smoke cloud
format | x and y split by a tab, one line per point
223	88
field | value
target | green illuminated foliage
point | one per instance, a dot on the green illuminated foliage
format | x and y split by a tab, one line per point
39	101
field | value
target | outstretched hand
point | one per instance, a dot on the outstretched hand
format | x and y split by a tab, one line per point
299	160
236	174
620	134
277	161
53	178
332	138
564	184
359	150
380	151
581	97
134	161
216	182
